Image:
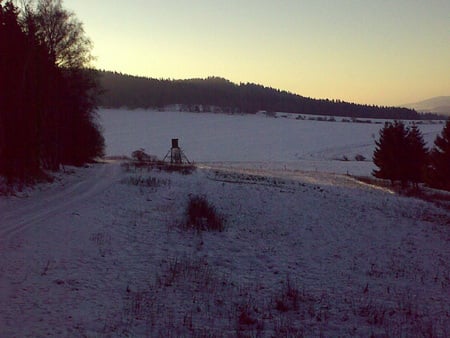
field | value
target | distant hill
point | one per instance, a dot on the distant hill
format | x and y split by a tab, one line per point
218	94
438	105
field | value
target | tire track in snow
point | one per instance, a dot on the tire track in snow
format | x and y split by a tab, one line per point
312	178
333	153
74	196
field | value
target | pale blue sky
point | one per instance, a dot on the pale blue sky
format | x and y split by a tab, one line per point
383	52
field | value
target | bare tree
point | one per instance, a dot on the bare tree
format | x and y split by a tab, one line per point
62	33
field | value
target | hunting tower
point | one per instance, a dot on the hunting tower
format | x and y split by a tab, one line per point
176	154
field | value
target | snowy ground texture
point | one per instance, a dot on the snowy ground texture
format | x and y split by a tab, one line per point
102	251
249	140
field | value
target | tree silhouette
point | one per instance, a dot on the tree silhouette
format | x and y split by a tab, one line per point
19	53
76	135
401	154
390	155
417	156
138	92
439	174
46	110
62	33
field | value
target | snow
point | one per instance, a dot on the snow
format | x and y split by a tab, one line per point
305	251
248	140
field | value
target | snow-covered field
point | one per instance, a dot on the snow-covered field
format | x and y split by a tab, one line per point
306	251
248	140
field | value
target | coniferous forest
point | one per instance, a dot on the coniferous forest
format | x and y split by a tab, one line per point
47	97
121	90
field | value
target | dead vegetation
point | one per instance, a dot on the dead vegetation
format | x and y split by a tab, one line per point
201	215
440	198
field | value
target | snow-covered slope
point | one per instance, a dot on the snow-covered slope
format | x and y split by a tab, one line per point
303	253
439	105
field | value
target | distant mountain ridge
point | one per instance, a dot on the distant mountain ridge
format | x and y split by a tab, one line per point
218	94
438	105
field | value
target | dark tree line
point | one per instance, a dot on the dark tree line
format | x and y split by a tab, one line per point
439	173
139	92
401	155
47	98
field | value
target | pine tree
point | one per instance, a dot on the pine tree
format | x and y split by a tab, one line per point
439	174
416	155
390	154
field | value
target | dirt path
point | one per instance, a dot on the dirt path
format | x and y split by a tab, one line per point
18	215
44	242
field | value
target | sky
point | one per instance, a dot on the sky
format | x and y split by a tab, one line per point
384	52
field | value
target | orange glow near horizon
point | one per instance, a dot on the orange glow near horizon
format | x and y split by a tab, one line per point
385	53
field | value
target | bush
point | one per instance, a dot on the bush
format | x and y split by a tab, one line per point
360	158
289	299
201	215
141	156
184	169
149	182
145	162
